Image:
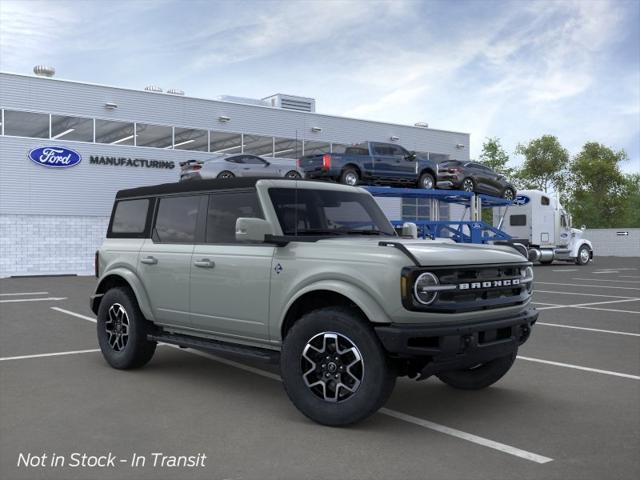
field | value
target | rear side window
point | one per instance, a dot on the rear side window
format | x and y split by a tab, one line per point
130	217
176	219
224	209
518	220
544	201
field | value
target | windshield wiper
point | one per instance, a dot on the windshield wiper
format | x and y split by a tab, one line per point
367	232
318	231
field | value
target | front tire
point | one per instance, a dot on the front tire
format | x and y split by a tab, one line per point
478	377
508	194
333	367
293	175
122	330
584	255
225	174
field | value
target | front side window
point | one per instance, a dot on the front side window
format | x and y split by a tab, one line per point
224	209
130	216
544	201
328	212
250	159
176	219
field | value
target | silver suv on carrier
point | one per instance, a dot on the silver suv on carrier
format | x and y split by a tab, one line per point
314	276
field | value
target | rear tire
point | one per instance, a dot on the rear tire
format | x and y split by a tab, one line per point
122	330
293	175
350	177
336	389
225	174
468	185
478	377
427	181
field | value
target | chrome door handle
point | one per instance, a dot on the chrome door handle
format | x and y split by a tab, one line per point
149	260
204	263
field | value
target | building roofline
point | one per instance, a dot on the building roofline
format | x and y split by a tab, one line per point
232	103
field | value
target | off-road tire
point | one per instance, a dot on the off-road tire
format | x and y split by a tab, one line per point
377	380
478	377
347	174
137	350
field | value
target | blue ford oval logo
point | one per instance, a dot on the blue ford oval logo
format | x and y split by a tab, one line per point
55	157
521	200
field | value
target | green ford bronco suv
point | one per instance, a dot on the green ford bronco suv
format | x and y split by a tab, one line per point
314	276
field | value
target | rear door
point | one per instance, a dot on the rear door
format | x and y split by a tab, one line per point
164	264
229	293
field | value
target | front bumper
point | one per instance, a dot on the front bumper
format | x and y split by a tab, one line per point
463	345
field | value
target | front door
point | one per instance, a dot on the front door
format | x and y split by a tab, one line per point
164	263
229	293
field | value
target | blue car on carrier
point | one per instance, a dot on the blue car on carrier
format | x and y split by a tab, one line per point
372	163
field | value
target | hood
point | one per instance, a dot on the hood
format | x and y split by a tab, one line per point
442	252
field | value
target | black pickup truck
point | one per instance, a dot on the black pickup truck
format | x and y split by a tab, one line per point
373	163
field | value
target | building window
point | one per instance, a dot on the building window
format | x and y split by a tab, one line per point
258	145
316	148
415	209
157	136
338	148
26	124
115	133
71	128
287	148
226	143
191	139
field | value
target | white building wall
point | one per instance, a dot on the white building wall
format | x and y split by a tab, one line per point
613	242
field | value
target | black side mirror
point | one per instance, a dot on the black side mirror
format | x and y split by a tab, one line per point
412	156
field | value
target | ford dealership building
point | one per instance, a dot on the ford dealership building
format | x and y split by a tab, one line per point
67	147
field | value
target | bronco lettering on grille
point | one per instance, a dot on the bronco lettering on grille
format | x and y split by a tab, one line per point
513	282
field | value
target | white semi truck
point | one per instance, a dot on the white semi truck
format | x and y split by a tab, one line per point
538	221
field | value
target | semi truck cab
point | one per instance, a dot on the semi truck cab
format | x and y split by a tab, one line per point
539	221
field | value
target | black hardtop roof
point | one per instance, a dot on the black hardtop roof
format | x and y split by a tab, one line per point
192	186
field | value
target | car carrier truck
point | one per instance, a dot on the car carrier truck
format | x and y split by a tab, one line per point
538	221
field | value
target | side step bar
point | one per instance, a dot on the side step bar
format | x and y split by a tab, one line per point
187	341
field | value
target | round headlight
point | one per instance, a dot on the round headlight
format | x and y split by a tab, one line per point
422	290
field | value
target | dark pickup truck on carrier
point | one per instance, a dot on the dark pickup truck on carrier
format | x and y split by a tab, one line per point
372	162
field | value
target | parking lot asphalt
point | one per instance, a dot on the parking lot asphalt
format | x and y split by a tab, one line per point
569	408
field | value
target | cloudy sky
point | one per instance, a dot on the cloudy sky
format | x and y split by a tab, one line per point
511	69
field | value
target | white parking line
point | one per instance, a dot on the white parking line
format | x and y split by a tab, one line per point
607	280
74	314
400	416
629	276
611	310
615	332
47	299
585	305
589	286
469	437
578	367
584	294
606	271
56	354
23	293
567	270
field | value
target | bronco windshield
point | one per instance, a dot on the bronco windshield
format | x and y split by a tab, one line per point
328	212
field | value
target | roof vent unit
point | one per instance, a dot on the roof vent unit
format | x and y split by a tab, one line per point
153	88
44	71
175	91
292	102
421	124
244	100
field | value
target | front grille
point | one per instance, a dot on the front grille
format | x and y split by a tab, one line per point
477	287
